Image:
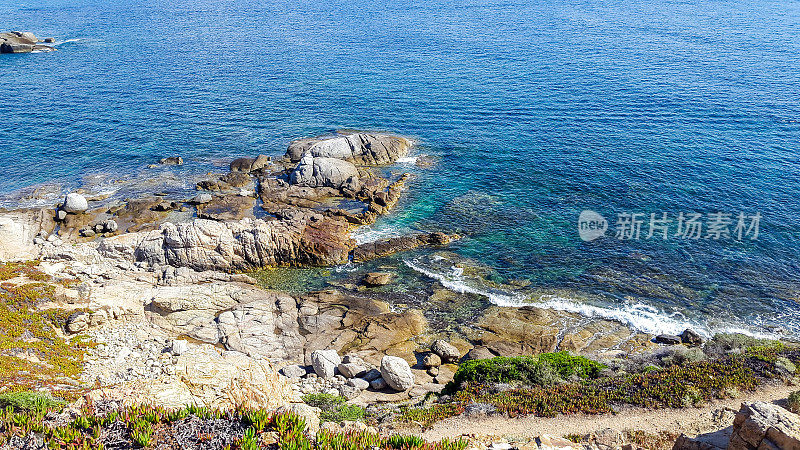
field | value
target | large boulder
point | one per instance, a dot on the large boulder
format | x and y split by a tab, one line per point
325	362
325	172
368	149
764	425
446	351
75	203
397	373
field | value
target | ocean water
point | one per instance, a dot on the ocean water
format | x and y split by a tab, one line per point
533	111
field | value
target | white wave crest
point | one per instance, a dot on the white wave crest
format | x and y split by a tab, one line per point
455	282
637	316
66	41
367	234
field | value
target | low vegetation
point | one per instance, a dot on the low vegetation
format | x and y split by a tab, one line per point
560	383
34	352
793	402
29	401
334	408
546	369
192	427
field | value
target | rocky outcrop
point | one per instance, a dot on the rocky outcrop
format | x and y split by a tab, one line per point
756	426
317	171
369	149
19	230
302	238
760	425
266	327
530	331
385	247
21	42
204	376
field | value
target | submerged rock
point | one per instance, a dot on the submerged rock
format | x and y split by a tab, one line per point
228	207
171	161
378	278
385	247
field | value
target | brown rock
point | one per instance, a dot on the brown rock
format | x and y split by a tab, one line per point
213	185
431	360
242	165
228	207
378	278
760	425
479	353
385	247
237	179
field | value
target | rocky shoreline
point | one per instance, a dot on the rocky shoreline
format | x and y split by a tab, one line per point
24	42
158	285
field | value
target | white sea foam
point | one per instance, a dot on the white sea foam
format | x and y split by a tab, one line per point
637	316
456	282
408	160
67	41
367	234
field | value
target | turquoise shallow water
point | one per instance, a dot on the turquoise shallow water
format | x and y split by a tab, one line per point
533	110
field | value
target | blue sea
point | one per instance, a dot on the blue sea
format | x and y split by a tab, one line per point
533	112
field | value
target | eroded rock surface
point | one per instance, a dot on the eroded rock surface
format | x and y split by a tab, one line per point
761	425
302	238
21	42
359	148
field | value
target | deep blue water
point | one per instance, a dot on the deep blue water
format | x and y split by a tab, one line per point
535	111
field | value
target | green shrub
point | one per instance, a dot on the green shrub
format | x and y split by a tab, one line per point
342	413
249	440
680	355
567	365
260	419
725	343
785	366
399	441
793	402
545	370
324	401
142	433
29	401
334	408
